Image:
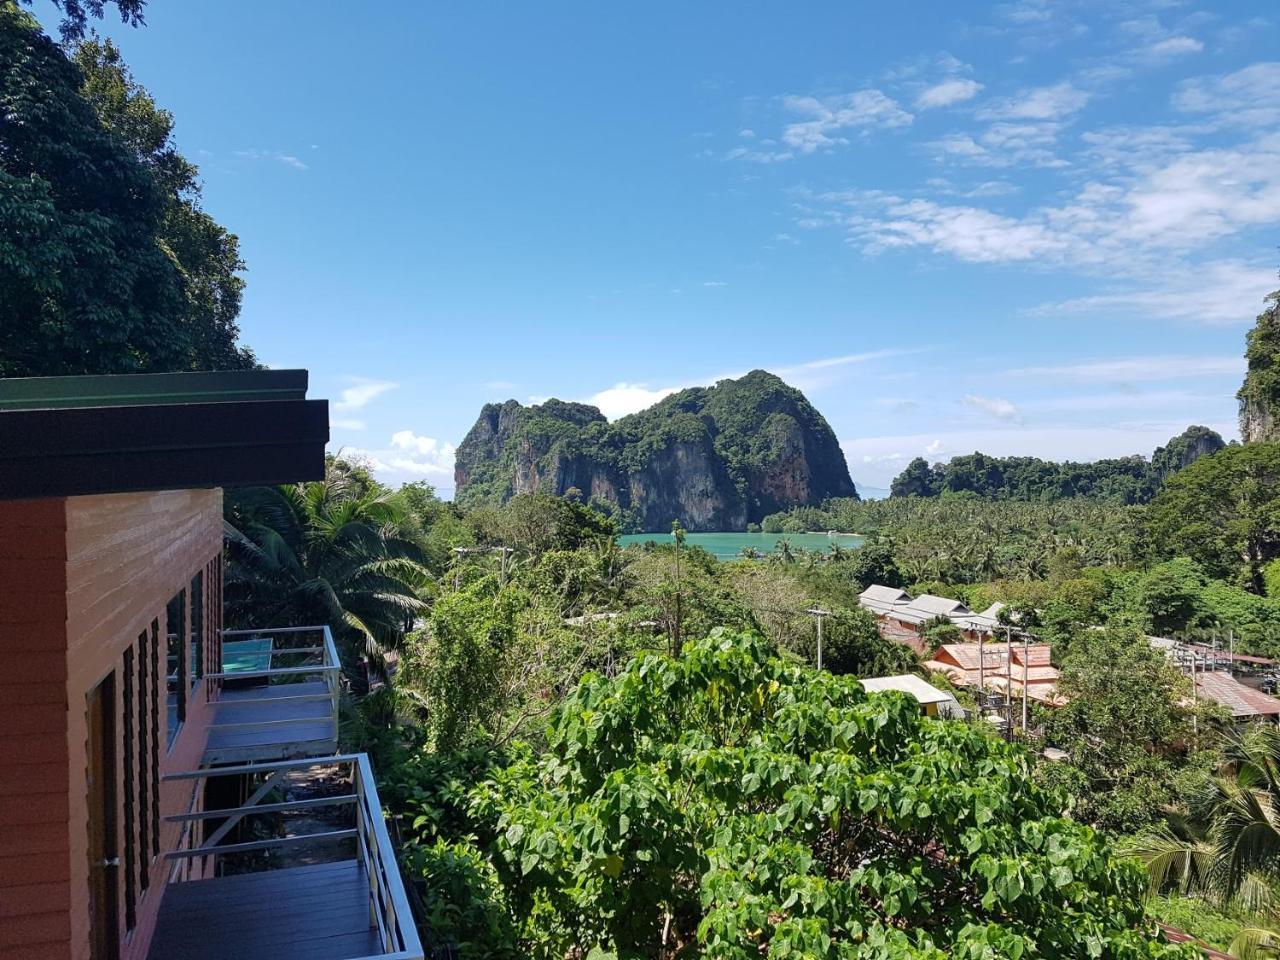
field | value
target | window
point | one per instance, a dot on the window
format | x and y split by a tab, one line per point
197	628
145	736
155	738
176	664
130	808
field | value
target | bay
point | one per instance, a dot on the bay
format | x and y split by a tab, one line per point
729	545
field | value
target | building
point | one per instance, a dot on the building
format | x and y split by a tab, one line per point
1244	703
1215	673
1002	667
140	742
933	702
900	616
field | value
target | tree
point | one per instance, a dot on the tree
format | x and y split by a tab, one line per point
324	552
1223	511
1228	850
207	256
538	522
727	804
84	287
852	644
917	480
76	14
1170	595
107	264
1126	719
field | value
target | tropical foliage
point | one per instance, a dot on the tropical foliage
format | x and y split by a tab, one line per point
1227	849
1224	512
107	263
727	803
329	552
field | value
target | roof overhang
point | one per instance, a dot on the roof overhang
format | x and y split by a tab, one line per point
77	436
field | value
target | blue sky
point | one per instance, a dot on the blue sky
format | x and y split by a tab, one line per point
1032	227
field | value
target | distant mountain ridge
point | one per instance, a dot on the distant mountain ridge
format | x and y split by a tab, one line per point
1123	480
714	458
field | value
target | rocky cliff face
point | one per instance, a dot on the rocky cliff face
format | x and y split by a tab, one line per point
714	458
1182	451
1259	395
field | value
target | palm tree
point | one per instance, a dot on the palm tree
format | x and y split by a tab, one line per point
1228	851
328	552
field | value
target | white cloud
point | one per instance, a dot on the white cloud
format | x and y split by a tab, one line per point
1125	221
1129	369
347	423
933	448
846	359
947	93
426	455
969	233
997	407
1220	292
1174	47
362	392
830	117
1246	98
1058	102
1003	144
714	283
624	398
279	156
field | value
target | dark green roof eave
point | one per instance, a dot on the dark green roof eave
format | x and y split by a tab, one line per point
151	389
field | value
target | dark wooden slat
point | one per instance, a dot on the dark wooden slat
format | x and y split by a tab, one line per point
317	912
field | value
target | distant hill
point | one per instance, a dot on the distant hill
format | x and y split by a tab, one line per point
1124	480
714	458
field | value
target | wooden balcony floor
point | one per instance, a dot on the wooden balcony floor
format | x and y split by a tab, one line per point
316	912
313	735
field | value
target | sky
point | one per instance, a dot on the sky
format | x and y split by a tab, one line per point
1037	227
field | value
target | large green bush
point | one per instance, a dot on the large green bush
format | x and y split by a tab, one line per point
730	804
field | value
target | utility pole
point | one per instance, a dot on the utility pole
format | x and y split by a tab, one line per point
1026	657
982	674
819	615
1008	683
677	533
1195	699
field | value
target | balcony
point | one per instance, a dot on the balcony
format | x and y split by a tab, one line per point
278	697
302	868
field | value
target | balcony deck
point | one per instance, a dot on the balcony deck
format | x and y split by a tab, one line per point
318	912
348	908
278	697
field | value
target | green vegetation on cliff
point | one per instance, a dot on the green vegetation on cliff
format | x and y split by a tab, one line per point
1123	480
1259	395
714	458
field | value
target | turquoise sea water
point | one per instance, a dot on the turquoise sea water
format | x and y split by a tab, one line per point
727	546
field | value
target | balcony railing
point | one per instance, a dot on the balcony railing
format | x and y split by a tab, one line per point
332	893
278	697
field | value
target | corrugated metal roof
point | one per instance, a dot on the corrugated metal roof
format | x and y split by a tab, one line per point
939	606
1242	701
907	683
881	594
